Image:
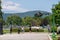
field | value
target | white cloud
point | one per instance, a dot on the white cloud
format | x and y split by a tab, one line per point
12	6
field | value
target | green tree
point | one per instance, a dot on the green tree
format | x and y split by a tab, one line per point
39	14
1	14
1	18
38	19
55	17
56	12
27	20
23	22
45	21
14	19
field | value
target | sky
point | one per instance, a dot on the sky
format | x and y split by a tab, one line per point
17	6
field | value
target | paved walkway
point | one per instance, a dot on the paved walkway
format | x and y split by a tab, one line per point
25	36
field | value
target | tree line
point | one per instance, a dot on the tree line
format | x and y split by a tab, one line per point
37	20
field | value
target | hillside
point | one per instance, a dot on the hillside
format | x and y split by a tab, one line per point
29	13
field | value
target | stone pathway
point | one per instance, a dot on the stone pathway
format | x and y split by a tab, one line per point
25	36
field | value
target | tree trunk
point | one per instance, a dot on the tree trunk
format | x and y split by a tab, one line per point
1	28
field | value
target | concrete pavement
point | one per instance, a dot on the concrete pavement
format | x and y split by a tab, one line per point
25	36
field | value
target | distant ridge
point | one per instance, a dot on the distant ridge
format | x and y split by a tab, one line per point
29	13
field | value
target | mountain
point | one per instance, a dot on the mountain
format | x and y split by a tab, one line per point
29	13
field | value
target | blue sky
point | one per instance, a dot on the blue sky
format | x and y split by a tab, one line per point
12	6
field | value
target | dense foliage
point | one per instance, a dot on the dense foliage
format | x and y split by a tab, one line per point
56	13
14	19
37	20
1	14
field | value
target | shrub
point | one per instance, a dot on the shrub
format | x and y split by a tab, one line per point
45	30
41	30
55	29
34	30
5	31
14	30
37	30
26	30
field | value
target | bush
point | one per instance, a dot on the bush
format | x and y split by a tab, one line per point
14	30
37	30
6	31
54	36
34	30
45	30
41	30
55	29
26	30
